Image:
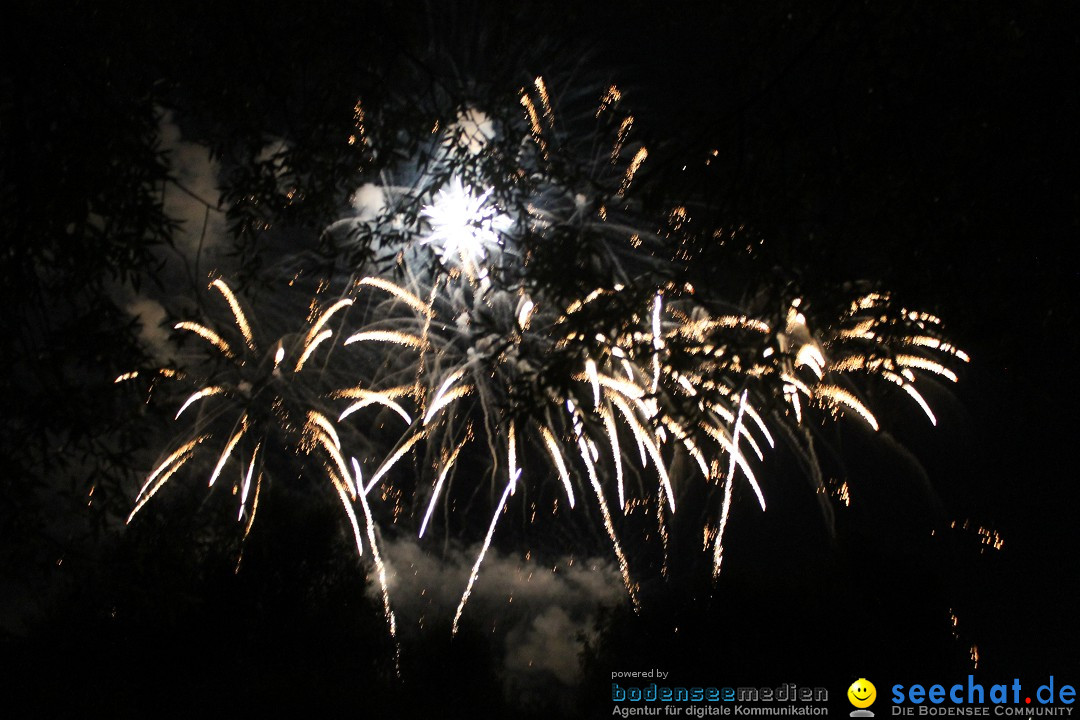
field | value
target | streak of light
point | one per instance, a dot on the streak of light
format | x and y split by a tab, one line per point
228	451
237	311
199	395
206	334
400	293
557	458
718	548
480	557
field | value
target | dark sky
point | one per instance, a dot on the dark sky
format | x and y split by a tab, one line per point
927	146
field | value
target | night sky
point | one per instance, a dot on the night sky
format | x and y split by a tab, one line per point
926	148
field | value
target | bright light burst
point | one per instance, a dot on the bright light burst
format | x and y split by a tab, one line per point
523	342
465	226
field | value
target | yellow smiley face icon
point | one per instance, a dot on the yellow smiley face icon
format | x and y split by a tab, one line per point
862	693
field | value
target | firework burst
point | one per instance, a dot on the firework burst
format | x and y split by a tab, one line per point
250	395
514	307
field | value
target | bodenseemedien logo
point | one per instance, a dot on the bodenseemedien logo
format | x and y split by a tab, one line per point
708	701
862	694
